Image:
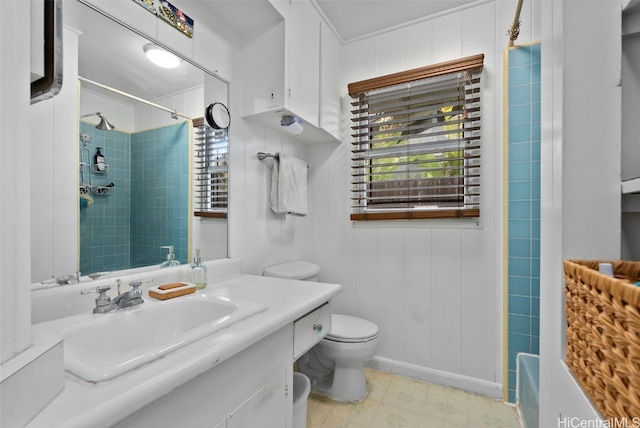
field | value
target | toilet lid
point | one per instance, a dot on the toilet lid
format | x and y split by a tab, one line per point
293	270
345	328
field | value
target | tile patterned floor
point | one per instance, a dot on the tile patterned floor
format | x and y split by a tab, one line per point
396	401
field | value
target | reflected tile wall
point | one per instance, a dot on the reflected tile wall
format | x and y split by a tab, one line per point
159	194
104	225
148	206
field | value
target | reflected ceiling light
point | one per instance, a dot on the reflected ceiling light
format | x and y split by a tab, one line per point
160	57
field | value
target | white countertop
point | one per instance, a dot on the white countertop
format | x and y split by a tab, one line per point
82	404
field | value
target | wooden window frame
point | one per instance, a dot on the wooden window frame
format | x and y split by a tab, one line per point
358	89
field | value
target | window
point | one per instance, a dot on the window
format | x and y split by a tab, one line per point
211	170
416	143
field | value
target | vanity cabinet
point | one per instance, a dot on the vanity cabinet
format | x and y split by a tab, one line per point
250	389
332	84
267	407
293	68
310	329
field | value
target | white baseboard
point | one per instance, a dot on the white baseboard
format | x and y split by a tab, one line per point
454	380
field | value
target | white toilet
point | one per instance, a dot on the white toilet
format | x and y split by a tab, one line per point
335	365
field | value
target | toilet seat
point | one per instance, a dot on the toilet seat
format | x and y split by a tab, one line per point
348	329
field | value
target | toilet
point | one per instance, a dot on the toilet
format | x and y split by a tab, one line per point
335	365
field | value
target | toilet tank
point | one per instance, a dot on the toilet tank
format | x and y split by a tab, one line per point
304	271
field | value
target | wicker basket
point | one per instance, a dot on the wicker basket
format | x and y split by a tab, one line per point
603	334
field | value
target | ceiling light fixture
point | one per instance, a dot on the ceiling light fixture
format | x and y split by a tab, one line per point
160	57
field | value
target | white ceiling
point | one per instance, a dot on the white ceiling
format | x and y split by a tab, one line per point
353	19
113	56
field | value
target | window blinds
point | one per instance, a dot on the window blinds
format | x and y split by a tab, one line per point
416	144
211	170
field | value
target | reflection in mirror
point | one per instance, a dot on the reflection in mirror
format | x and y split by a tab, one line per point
134	178
211	170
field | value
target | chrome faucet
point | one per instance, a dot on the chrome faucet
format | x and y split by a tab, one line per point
105	304
97	275
63	280
130	298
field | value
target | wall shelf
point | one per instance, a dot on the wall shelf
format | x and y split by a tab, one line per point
310	134
631	186
102	191
95	169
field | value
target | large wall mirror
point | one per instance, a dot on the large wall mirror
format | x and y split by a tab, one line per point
135	159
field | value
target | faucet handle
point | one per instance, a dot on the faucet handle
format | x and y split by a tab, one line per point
138	282
100	289
136	293
102	300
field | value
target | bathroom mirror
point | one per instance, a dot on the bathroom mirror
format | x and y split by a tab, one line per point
135	198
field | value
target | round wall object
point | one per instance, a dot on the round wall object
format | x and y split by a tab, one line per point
217	116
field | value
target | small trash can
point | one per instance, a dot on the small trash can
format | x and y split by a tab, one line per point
301	389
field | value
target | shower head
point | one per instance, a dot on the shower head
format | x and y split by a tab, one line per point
103	124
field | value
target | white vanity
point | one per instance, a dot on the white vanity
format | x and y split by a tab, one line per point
237	376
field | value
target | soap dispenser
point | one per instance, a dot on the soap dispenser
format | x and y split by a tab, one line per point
98	160
171	261
198	272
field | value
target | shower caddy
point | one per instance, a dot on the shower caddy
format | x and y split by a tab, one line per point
87	187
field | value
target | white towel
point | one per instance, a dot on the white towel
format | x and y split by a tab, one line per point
289	186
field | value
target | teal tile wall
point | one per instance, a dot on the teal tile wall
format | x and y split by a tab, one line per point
105	225
148	206
159	204
523	206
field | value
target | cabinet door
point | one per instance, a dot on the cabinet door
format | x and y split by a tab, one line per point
266	408
304	61
330	81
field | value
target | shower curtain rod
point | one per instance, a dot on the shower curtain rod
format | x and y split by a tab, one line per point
174	113
514	30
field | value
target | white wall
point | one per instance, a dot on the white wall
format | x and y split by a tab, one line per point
434	288
54	188
15	179
259	236
119	113
580	210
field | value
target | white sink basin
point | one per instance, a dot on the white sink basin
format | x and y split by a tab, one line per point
99	347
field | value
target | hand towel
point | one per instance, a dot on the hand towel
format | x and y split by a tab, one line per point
289	186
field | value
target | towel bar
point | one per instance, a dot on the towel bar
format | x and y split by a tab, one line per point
263	156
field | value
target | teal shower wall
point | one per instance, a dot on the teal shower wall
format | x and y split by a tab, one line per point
523	206
104	225
159	202
148	206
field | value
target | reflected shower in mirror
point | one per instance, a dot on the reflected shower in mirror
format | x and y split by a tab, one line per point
135	151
